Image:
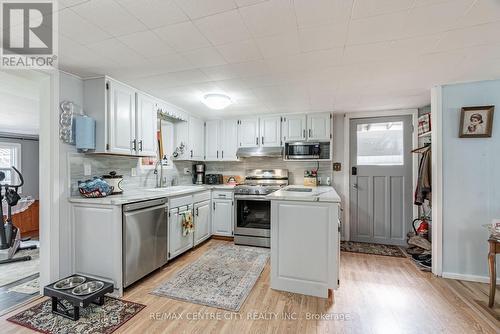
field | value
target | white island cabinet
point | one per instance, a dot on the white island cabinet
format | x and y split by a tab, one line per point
305	244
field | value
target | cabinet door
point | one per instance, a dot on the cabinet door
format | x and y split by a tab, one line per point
181	130
248	132
222	217
122	115
202	230
177	243
270	131
212	144
196	134
294	128
146	126
229	140
319	127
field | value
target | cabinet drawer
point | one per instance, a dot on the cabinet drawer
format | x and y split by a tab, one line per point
222	194
202	196
181	201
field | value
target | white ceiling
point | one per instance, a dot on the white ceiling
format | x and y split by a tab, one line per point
280	56
19	103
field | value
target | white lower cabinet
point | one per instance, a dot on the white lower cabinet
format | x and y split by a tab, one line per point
202	220
222	217
177	242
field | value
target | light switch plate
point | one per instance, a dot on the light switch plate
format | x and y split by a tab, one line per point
187	171
87	169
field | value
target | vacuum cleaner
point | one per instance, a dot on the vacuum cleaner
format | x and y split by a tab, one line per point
10	235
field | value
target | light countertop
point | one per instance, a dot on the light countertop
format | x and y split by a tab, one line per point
130	196
317	194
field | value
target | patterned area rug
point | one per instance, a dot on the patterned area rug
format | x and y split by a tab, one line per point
29	287
93	319
222	277
369	248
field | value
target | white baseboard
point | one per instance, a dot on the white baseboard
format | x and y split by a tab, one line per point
471	278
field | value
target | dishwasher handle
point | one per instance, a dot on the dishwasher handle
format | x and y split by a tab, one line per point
144	204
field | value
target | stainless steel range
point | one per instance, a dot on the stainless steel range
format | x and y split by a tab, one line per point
253	209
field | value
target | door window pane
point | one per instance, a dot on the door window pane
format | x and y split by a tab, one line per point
9	156
380	144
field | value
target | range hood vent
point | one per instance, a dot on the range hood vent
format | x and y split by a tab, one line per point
256	152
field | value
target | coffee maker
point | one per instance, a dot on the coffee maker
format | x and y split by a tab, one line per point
199	174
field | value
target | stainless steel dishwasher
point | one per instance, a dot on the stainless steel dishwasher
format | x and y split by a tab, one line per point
145	226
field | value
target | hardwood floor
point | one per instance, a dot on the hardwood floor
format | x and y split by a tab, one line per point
377	294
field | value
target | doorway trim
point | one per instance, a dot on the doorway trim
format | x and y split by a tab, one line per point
437	180
49	183
371	114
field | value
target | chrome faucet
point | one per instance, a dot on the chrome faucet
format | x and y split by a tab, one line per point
159	178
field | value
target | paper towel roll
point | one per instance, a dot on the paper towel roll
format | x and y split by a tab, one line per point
85	133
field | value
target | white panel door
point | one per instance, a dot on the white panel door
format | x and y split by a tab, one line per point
196	135
248	132
222	217
270	131
212	143
202	228
177	243
146	126
121	119
294	128
229	140
319	127
381	179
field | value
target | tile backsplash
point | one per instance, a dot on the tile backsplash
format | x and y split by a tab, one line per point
145	177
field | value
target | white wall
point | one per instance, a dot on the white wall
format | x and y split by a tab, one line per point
471	181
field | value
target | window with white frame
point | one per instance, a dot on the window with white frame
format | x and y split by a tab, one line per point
10	155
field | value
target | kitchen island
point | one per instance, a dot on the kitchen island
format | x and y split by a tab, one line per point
305	240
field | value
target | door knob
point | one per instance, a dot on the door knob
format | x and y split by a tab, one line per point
355	186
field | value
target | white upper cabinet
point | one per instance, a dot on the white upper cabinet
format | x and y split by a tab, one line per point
248	132
196	138
146	126
122	117
229	140
212	141
126	121
270	131
319	127
294	128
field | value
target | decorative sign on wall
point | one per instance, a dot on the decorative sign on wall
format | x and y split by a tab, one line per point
476	122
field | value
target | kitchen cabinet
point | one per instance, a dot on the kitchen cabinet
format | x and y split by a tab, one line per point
125	117
319	127
195	144
294	128
248	132
177	242
122	117
146	124
270	131
221	140
213	151
229	140
202	228
313	268
222	217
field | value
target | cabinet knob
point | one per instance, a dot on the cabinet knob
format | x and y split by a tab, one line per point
140	145
262	140
310	133
304	133
191	153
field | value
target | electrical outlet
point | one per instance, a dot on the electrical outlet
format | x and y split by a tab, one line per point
133	172
337	166
87	169
187	171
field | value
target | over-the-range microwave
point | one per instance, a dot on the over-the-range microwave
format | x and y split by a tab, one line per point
307	150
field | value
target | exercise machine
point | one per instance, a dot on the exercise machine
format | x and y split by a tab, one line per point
10	235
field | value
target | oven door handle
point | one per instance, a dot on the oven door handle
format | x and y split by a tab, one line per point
252	197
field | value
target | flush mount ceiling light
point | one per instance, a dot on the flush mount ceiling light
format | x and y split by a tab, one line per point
217	101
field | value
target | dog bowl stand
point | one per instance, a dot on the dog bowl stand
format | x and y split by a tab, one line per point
77	301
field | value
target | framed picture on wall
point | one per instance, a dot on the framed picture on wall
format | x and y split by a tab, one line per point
476	122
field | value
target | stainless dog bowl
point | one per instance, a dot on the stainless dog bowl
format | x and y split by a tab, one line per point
87	288
69	283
